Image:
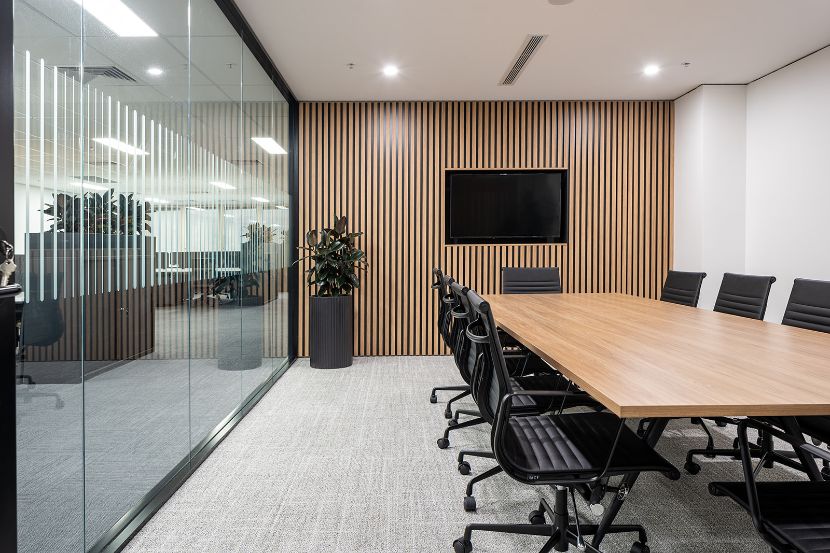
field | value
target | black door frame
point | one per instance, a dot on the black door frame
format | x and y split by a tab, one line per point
120	534
8	415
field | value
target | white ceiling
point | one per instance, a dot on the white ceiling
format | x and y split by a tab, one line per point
459	49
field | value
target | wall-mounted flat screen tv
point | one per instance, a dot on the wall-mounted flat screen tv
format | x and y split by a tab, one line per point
506	206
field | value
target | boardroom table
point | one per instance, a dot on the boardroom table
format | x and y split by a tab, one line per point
643	358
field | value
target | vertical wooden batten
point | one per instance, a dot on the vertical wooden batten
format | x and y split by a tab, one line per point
382	164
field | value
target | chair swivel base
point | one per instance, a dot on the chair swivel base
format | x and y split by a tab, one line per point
561	534
470	500
433	396
769	457
444	442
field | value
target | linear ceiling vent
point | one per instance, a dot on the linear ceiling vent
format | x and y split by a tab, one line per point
253	163
529	47
92	71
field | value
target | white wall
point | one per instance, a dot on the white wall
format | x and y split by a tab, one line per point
752	179
710	184
788	176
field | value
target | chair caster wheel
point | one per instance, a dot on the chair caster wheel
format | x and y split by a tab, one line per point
433	398
536	517
470	504
720	424
443	443
453	422
640	547
691	467
447	414
462	546
464	468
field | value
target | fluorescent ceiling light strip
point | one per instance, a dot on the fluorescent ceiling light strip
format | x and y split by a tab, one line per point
223	185
120	19
156	200
269	145
260	199
120	146
90	186
282	207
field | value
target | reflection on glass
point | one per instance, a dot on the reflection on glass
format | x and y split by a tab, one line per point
151	238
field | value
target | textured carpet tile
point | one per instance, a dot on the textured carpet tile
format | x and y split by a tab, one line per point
346	461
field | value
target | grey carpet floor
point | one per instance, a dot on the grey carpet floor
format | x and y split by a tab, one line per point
346	461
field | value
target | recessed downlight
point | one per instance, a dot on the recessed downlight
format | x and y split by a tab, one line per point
651	70
155	71
391	70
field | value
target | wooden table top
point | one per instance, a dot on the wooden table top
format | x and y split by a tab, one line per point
646	358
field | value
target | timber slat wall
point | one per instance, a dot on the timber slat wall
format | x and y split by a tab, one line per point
382	164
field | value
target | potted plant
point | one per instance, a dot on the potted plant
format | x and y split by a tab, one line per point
335	263
98	218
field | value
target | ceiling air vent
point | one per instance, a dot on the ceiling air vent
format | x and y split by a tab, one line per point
92	71
529	47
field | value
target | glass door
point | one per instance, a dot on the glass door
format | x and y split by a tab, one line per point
151	194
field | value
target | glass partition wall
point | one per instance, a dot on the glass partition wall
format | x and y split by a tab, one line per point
151	194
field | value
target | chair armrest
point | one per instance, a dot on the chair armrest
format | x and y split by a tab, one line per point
816	451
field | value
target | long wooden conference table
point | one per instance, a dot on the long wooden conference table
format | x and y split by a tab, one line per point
645	358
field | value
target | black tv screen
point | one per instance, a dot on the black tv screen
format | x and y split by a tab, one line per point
506	207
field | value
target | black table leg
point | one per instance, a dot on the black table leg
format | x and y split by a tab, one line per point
652	435
792	428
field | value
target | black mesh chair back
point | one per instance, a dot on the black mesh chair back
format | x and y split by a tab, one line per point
682	287
744	295
809	305
446	302
530	280
491	381
438	285
464	352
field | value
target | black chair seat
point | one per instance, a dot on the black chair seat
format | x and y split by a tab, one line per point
794	512
578	444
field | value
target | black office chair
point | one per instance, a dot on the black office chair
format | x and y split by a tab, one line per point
467	357
744	295
682	287
527	280
560	450
446	302
530	280
809	307
789	516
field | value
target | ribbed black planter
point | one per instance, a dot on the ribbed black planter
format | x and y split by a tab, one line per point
331	332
